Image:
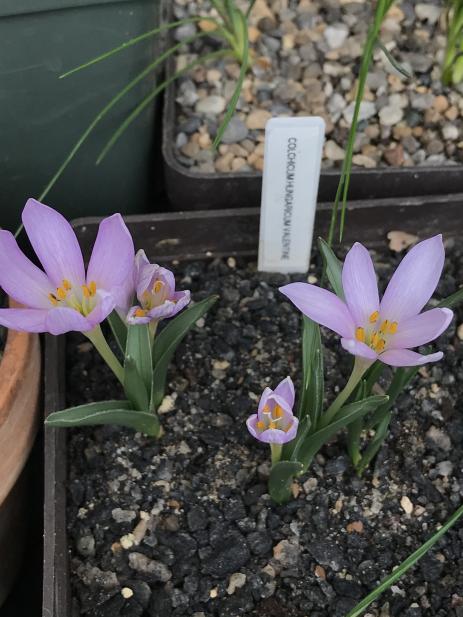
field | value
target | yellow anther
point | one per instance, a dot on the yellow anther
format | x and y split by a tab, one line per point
157	287
277	412
266	409
61	293
272	425
374	317
393	327
374	339
384	326
360	335
140	312
380	345
86	291
260	425
53	299
92	288
66	285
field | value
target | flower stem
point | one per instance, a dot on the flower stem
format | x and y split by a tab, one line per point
360	366
96	337
276	449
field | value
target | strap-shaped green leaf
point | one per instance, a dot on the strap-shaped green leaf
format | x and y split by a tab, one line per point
332	267
312	391
134	386
398	572
348	413
281	479
167	342
139	349
119	330
108	412
451	301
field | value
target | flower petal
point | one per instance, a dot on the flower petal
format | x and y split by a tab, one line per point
360	285
54	242
275	435
251	423
322	306
24	319
405	357
63	319
285	390
106	303
414	281
263	399
421	329
19	277
112	262
358	349
133	319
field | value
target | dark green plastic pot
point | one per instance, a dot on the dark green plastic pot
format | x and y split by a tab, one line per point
41	116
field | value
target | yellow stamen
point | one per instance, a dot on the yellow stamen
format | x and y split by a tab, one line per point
374	317
393	327
384	326
61	293
360	335
288	427
92	288
374	339
380	345
53	299
272	425
277	412
157	287
86	291
66	285
140	312
260	425
266	409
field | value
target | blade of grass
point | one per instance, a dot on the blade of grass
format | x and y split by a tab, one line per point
236	94
250	7
151	67
151	96
358	610
135	40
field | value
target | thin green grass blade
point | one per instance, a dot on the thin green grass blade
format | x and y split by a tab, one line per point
136	80
451	301
358	610
250	7
236	94
151	96
134	41
398	67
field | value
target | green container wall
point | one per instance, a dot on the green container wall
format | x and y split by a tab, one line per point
42	116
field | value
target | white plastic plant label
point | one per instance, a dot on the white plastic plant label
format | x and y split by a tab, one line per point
293	152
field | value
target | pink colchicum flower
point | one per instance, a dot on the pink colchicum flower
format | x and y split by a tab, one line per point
155	289
384	330
274	422
63	297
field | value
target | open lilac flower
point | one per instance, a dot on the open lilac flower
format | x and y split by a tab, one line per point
155	289
384	330
274	421
63	297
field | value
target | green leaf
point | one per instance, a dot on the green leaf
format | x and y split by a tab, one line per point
134	386
398	67
333	268
312	392
119	330
108	412
239	24
452	301
405	566
281	479
347	414
139	349
291	449
375	444
167	342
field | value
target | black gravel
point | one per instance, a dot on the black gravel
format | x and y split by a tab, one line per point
184	526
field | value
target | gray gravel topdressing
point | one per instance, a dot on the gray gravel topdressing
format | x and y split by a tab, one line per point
185	527
306	56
